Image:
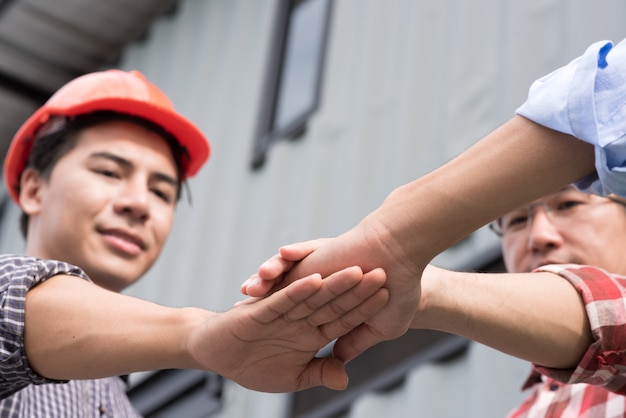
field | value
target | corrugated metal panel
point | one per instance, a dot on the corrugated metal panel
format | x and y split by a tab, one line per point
408	85
45	43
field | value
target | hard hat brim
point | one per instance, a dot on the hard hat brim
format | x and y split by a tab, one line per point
186	133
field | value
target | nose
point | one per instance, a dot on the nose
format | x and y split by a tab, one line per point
133	200
543	235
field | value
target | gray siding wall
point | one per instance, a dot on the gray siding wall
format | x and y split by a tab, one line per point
408	85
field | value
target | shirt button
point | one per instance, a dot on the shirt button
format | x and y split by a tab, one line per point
101	409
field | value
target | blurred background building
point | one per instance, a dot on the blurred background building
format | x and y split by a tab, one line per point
316	110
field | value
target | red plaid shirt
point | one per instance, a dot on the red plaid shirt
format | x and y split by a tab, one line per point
596	387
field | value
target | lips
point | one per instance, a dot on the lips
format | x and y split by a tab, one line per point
124	240
545	262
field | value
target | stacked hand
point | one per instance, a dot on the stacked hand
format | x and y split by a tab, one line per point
271	344
352	248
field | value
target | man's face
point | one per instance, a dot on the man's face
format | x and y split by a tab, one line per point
580	229
108	205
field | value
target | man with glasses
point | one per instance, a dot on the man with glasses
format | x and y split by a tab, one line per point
570	227
567	227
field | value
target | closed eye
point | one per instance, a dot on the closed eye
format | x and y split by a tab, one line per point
569	204
107	173
516	221
166	197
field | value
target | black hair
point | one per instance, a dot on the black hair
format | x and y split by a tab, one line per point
50	147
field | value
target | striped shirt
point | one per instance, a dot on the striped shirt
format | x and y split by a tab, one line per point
24	393
596	388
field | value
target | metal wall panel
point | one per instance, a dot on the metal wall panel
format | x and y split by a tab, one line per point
409	84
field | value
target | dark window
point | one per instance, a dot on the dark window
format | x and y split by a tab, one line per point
178	393
294	72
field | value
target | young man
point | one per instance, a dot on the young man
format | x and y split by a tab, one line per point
97	172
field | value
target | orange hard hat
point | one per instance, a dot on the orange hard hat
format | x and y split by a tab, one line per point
127	92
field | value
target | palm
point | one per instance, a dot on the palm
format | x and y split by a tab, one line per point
271	344
284	360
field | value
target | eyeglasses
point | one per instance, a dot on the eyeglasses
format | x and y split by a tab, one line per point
563	209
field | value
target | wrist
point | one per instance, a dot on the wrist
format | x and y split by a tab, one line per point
189	325
431	308
386	245
406	224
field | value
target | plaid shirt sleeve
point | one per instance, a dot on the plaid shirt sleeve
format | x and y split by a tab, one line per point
17	275
604	295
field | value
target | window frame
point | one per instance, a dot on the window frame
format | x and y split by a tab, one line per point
266	132
178	392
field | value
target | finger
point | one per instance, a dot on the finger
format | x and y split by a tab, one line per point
246	301
269	275
355	317
256	287
299	250
333	287
329	372
268	309
274	267
349	300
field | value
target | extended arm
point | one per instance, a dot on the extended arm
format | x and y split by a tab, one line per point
419	220
76	330
539	317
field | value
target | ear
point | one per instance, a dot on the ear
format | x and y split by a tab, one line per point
31	184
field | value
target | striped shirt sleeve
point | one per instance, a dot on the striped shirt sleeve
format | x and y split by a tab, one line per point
18	274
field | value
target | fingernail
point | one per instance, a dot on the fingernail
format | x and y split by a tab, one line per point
252	281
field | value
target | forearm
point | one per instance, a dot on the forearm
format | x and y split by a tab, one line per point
430	214
420	219
539	317
76	330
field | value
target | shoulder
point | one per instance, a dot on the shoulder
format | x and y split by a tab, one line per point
32	270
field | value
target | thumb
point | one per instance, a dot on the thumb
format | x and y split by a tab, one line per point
328	371
355	342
